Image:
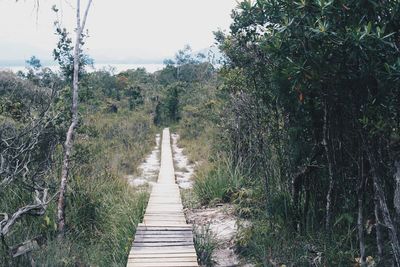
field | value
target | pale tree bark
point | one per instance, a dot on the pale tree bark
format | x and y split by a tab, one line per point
387	218
396	199
74	121
360	217
37	208
378	227
328	151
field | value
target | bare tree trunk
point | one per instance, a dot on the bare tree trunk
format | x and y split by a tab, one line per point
70	133
360	218
326	142
387	219
378	227
396	199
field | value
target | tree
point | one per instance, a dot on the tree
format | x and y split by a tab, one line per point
34	62
80	26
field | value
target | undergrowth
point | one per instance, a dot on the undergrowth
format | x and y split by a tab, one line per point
205	244
102	209
218	181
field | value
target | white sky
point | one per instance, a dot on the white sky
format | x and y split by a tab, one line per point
120	30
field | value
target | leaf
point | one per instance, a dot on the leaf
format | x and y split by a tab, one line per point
369	26
388	35
47	220
387	67
344	217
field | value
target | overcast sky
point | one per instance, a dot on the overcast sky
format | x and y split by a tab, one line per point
120	30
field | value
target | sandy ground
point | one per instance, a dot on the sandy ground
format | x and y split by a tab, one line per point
148	170
223	224
183	170
220	220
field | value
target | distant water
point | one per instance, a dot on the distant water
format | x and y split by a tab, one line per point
116	68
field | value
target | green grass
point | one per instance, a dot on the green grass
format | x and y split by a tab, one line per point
104	238
205	244
268	243
218	181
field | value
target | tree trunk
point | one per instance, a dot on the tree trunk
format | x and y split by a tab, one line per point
74	110
327	145
396	199
360	218
378	227
387	219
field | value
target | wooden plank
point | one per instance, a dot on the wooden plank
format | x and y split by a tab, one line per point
163	236
168	250
164	244
191	259
161	232
162	215
160	243
163	239
176	227
158	231
164	264
164	223
163	255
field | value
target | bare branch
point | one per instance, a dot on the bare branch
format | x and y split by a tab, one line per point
36	209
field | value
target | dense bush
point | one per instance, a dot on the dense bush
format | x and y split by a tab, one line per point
313	110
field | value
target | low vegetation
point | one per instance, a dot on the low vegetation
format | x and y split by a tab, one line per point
218	182
205	244
102	210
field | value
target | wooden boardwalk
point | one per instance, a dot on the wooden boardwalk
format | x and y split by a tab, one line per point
164	238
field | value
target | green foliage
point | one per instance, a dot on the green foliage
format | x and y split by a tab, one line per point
218	182
167	110
63	54
102	226
135	97
312	94
34	62
269	244
205	244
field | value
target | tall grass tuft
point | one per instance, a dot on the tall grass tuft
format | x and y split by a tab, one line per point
218	181
205	243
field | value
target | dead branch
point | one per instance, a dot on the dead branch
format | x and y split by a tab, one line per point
38	208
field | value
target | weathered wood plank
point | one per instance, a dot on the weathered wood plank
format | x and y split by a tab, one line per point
162	237
153	260
163	256
161	232
162	244
165	250
163	264
169	239
169	228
